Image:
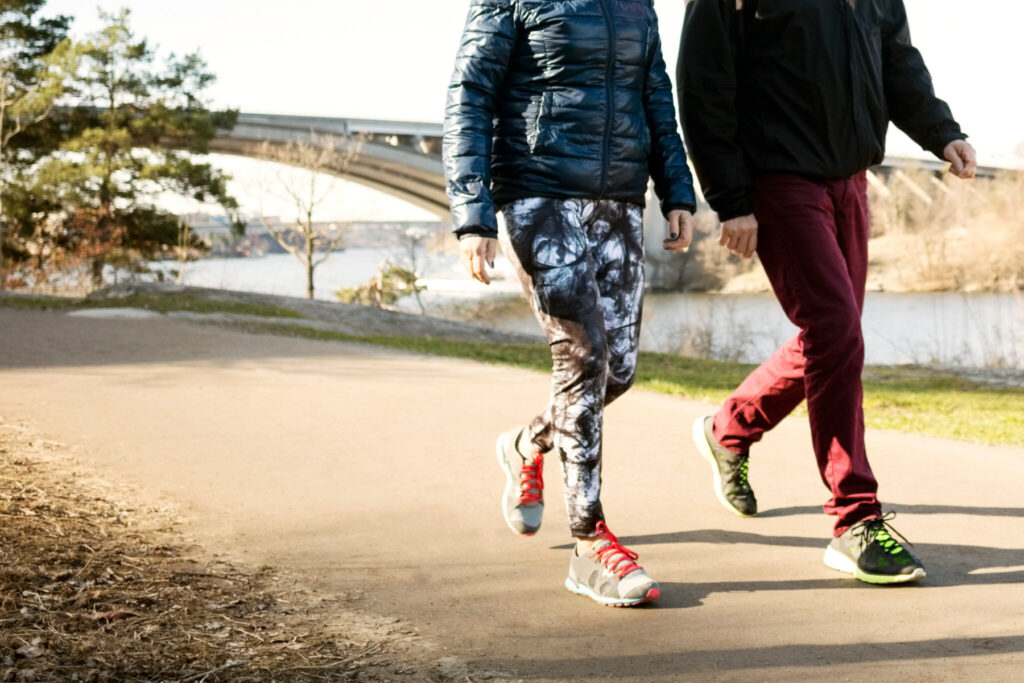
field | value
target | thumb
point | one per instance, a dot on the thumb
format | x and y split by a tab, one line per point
955	160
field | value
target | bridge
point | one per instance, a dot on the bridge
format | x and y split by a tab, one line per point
400	158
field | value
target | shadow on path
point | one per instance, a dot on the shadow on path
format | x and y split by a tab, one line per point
948	565
779	656
908	509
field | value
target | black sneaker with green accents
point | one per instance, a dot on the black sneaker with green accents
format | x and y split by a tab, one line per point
730	470
870	551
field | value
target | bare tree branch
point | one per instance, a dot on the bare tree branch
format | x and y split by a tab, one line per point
321	156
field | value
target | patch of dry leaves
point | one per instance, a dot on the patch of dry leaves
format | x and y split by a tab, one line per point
92	590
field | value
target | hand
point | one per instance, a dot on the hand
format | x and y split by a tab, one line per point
477	253
962	158
680	231
739	235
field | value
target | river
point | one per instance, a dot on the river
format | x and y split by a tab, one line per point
944	329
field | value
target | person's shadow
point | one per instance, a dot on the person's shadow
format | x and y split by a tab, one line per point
948	565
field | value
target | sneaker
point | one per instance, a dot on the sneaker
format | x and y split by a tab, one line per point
869	552
608	574
730	470
522	504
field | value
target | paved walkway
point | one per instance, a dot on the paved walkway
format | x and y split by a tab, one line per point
369	469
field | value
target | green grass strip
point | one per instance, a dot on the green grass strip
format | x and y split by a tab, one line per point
163	303
907	399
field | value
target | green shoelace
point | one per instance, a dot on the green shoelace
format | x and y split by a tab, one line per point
878	529
741	477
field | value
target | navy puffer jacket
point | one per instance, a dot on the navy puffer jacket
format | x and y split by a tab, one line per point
562	99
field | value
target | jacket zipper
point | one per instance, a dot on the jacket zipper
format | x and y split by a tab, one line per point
609	94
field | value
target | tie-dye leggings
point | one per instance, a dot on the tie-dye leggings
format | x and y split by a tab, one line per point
581	264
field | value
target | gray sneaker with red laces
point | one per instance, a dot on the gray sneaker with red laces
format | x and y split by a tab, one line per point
522	503
608	574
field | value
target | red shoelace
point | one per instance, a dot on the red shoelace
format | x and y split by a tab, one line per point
531	480
617	558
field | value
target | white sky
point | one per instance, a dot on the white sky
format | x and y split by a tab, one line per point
391	59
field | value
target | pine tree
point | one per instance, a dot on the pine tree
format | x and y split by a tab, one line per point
35	57
138	129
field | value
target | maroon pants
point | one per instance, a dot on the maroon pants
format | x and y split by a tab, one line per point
812	241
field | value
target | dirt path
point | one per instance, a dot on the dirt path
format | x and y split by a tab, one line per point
369	470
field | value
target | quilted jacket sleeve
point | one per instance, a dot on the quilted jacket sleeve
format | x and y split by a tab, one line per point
673	181
480	65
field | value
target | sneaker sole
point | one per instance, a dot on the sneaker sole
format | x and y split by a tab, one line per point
580	589
704	448
841	563
510	485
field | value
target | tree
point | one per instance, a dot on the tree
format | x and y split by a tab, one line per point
412	239
35	57
390	284
310	242
138	127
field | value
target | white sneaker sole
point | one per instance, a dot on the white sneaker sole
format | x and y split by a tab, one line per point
580	589
704	448
841	563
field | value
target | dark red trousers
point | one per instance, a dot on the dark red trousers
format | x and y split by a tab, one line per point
812	241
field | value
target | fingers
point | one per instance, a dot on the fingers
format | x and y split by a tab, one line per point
962	158
751	247
956	165
739	236
478	262
730	239
970	157
476	253
723	238
680	231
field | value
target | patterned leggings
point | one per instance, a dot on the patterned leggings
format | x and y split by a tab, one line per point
581	263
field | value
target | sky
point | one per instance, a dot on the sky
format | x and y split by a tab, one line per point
391	59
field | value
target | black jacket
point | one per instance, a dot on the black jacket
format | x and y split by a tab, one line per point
799	86
563	99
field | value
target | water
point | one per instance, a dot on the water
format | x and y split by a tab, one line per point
947	329
283	275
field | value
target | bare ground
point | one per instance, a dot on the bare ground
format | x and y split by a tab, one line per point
94	589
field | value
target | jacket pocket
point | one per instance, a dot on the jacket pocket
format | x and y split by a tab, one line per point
539	134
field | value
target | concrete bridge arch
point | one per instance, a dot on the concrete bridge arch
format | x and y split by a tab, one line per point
398	158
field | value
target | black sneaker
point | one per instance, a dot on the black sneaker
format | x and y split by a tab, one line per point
730	470
869	552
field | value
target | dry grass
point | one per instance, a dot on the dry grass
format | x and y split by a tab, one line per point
928	233
932	234
93	590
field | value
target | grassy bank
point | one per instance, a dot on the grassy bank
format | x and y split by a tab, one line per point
159	303
909	399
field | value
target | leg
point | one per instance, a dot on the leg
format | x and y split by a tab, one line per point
616	241
815	239
546	241
615	236
812	243
855	489
764	399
